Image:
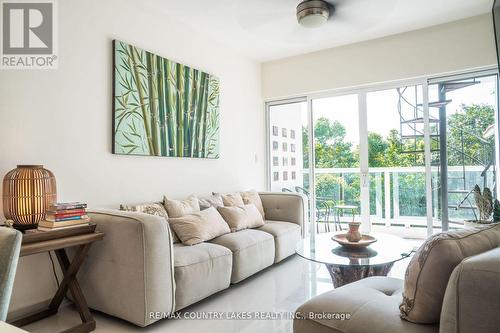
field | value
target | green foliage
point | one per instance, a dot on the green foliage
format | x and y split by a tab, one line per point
412	194
163	108
327	185
332	151
471	122
386	152
496	211
326	132
377	148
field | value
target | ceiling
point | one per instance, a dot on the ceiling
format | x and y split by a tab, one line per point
267	29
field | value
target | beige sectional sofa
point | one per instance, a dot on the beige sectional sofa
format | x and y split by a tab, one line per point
138	274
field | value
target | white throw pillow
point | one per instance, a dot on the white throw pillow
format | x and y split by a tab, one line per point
252	197
199	227
232	199
178	208
213	200
241	217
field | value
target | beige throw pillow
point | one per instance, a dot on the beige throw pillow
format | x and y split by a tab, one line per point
154	208
232	199
252	197
200	226
214	200
430	269
241	217
178	208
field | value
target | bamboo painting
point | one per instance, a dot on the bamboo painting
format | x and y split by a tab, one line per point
163	108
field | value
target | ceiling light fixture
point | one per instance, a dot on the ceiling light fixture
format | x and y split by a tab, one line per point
313	13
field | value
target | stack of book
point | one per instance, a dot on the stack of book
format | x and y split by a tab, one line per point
64	215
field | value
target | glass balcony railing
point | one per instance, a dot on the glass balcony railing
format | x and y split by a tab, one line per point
397	195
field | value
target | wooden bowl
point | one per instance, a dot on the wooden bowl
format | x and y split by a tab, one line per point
364	242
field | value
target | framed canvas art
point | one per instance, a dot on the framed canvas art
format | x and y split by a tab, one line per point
161	107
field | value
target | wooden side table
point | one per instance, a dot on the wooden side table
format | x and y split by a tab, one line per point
57	241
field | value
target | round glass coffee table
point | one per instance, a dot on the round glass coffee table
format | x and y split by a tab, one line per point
347	265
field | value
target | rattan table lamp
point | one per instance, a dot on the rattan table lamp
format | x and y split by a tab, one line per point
28	191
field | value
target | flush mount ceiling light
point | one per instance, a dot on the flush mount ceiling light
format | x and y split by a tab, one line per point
313	13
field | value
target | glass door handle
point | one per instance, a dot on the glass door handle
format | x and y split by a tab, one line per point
364	179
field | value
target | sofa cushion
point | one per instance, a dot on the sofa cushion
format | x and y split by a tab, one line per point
213	200
252	197
178	208
200	271
151	208
286	235
231	199
253	250
371	304
430	268
200	226
241	217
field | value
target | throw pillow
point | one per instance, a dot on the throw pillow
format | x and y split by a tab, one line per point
178	208
430	269
214	200
241	217
155	208
200	226
252	197
232	199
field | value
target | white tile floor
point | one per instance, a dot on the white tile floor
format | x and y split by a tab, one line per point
280	288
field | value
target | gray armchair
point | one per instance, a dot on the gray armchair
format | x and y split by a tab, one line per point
10	245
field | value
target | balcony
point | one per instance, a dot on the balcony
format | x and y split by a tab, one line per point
397	195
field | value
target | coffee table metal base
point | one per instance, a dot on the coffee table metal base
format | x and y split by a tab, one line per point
346	274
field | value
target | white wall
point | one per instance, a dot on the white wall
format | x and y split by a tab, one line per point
455	46
63	119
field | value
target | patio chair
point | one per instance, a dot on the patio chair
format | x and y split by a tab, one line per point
339	209
284	189
10	245
323	210
301	190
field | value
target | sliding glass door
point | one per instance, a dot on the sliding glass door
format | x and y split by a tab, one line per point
464	109
397	160
288	146
337	161
402	158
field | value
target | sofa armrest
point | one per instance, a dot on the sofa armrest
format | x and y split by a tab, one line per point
129	274
288	207
471	302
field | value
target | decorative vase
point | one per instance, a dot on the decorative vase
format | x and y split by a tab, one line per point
353	235
28	191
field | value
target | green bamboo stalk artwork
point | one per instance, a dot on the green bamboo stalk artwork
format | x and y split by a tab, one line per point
163	108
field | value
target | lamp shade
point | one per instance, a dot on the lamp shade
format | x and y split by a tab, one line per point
28	191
